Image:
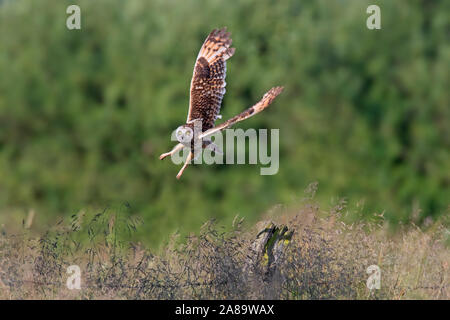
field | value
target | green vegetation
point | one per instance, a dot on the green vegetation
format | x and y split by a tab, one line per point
85	114
323	259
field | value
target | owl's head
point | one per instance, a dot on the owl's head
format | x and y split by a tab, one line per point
184	134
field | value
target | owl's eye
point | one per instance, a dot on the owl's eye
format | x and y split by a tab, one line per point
188	133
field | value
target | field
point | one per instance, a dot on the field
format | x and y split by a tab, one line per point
323	258
363	126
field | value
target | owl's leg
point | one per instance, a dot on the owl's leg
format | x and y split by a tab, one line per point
175	149
188	160
219	116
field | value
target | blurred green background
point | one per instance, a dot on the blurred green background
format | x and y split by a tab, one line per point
84	114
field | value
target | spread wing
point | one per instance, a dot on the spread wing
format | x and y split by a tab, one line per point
208	80
266	100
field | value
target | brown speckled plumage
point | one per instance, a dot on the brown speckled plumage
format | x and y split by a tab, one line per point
260	106
208	81
207	91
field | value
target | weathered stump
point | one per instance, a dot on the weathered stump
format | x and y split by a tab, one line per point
267	251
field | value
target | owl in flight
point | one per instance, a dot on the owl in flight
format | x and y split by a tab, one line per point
207	90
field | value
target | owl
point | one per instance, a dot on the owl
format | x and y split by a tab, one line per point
206	94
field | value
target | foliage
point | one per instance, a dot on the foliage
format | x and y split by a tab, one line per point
84	114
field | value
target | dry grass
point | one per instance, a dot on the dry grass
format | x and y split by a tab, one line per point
325	259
